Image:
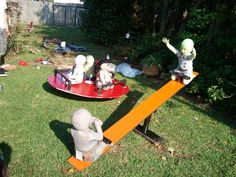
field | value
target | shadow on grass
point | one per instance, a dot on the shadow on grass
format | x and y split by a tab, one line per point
191	101
71	35
5	151
125	107
61	131
211	113
65	95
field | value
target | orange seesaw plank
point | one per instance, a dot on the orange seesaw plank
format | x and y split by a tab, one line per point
135	117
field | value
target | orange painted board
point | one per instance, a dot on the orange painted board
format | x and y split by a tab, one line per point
78	164
135	117
142	111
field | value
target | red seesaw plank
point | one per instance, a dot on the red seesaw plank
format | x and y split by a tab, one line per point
135	117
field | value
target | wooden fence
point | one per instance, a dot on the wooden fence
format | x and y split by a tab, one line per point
48	13
67	15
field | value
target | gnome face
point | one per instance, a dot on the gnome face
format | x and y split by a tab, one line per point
187	47
80	60
90	60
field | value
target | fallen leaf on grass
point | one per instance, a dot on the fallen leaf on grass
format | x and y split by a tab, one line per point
163	158
70	170
171	151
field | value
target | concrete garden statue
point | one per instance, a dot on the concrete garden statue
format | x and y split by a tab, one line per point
88	136
105	75
76	75
186	55
89	72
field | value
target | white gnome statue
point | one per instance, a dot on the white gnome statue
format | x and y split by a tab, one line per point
89	144
77	73
89	72
105	75
186	55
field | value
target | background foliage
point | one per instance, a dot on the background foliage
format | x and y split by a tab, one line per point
210	24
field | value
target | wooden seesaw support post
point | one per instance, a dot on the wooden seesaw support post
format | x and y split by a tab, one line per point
131	120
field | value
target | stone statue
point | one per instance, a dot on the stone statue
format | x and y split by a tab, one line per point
186	55
88	136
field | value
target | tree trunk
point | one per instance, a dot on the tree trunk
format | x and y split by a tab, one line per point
164	16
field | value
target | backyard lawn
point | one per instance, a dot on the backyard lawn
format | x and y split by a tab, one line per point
35	123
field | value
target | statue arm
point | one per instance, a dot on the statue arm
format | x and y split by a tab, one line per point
98	134
169	46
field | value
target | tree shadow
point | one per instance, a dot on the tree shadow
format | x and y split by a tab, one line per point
124	108
61	130
191	100
220	117
6	151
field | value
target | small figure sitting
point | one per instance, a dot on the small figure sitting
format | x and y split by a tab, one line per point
89	73
186	55
105	75
89	144
77	73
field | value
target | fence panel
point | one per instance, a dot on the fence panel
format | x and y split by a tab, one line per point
66	15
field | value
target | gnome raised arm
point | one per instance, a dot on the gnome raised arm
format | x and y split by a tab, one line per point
89	143
186	55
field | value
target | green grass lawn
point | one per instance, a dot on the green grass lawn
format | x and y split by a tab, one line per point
35	122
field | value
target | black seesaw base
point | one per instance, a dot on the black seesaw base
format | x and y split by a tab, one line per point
149	135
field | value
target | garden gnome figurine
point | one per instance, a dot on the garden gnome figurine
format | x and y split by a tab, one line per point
105	75
77	73
186	55
89	72
89	144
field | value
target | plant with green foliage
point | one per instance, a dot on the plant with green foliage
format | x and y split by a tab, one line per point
107	21
151	60
14	13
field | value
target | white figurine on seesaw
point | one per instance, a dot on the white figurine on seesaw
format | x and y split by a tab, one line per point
186	55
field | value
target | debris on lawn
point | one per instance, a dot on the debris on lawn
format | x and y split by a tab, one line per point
163	158
66	171
126	70
8	67
32	50
23	63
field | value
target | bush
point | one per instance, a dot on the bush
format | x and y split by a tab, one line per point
14	13
107	21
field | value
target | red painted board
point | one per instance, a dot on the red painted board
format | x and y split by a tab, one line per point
88	90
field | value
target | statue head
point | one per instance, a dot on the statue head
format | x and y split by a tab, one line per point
80	60
82	119
108	66
187	46
90	60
